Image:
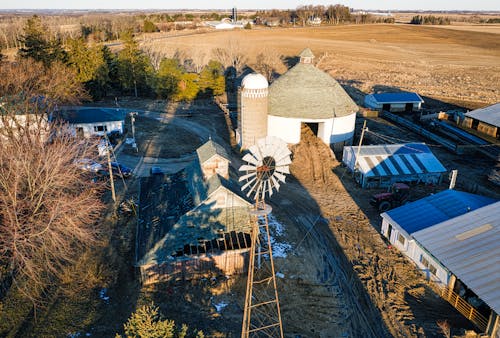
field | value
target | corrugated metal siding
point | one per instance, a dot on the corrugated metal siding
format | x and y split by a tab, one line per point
437	208
398	159
490	114
474	260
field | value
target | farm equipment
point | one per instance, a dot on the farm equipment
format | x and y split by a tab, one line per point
397	195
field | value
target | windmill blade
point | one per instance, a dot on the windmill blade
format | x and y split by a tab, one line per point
254	150
279	176
246	185
275	182
283	169
247	176
250	159
270	188
263	191
247	167
256	185
281	153
284	162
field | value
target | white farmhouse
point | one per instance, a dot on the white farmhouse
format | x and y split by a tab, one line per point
91	121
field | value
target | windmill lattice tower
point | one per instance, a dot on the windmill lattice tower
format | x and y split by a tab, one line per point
267	162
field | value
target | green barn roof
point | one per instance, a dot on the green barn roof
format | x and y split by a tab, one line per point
209	149
207	224
307	92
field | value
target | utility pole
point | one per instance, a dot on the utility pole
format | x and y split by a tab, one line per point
113	194
132	120
359	147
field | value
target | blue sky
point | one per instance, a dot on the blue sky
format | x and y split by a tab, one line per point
489	5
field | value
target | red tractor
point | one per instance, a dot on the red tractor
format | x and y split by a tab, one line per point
397	195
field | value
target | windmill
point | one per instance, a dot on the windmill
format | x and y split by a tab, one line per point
267	164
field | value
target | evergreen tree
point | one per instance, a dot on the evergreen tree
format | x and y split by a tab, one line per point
90	66
168	77
147	322
188	87
134	68
149	26
38	46
212	80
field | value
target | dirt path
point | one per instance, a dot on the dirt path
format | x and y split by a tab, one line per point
384	284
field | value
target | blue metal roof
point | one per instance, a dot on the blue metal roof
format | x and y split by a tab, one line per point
91	115
397	97
434	209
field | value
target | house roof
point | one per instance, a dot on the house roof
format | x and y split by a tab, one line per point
468	246
397	97
490	114
305	91
205	224
91	115
209	149
434	209
396	159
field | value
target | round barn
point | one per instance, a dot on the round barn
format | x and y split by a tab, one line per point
302	95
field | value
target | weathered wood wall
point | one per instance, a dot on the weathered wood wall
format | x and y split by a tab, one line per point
190	267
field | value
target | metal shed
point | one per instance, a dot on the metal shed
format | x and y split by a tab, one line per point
456	246
486	120
383	165
394	102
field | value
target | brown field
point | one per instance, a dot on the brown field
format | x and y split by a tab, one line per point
495	29
459	65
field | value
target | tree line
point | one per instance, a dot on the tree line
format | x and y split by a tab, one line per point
128	72
430	20
103	27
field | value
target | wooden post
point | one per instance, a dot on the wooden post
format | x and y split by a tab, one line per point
359	148
113	194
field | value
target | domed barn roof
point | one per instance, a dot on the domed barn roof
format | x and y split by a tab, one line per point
254	81
307	92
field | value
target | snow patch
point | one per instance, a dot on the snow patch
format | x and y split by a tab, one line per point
280	248
103	296
221	305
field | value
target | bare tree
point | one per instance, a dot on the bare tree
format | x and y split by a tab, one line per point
48	208
231	56
445	327
268	62
200	59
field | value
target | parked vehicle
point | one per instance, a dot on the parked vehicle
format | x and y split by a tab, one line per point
397	195
88	164
120	170
156	171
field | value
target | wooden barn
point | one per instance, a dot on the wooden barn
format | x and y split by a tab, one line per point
394	102
455	245
190	225
485	120
213	159
385	164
